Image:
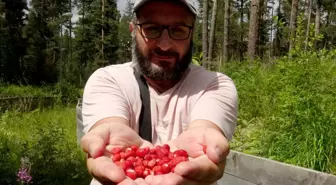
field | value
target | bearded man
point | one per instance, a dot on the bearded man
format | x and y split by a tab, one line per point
188	107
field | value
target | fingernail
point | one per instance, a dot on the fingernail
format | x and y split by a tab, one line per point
109	148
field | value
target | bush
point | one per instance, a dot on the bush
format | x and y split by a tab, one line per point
287	110
48	139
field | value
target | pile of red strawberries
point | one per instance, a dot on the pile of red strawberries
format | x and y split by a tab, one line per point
141	162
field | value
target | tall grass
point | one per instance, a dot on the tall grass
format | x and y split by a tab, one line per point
16	90
287	110
48	139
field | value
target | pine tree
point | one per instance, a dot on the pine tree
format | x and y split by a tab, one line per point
13	46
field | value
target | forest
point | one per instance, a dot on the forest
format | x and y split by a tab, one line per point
281	54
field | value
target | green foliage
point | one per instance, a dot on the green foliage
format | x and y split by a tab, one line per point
287	109
14	90
300	41
48	139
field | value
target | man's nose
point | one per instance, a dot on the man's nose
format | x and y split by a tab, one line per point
164	42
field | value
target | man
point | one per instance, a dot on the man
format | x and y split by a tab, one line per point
191	108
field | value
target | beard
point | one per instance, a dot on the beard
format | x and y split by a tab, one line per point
162	72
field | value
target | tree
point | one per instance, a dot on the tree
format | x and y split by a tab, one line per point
212	29
12	21
292	26
226	30
205	33
253	29
125	54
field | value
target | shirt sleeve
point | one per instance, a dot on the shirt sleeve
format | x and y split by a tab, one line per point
102	98
218	104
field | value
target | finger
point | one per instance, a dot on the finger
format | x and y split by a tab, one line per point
217	146
140	181
104	170
127	181
201	168
145	143
93	144
174	179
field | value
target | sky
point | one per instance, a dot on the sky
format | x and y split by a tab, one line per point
121	4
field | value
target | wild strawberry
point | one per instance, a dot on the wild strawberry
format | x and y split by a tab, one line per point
166	168
145	163
129	153
165	151
116	157
116	150
157	169
151	163
131	159
127	164
146	173
161	162
141	152
139	170
122	155
131	173
134	148
171	155
138	162
148	157
152	151
180	152
166	146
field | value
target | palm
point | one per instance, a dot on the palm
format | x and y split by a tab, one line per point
192	141
123	136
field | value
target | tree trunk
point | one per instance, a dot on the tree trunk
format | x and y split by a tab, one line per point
253	29
271	38
226	31
308	23
241	41
317	21
102	30
212	30
205	33
292	26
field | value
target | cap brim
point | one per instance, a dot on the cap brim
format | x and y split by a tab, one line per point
191	8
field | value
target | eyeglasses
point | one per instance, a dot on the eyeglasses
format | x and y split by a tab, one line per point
154	31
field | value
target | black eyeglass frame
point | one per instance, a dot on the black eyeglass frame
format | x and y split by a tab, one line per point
165	27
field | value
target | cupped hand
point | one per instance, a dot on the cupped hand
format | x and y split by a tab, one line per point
98	143
207	148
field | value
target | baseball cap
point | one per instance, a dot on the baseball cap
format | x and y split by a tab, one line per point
191	4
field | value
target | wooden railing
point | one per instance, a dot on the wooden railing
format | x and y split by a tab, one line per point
244	169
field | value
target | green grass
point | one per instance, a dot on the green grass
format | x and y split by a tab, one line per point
16	90
48	139
287	110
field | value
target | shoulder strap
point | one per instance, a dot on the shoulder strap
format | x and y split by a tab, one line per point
145	122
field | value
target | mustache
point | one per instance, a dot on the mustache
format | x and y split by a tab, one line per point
168	53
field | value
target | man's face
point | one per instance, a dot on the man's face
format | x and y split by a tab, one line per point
163	58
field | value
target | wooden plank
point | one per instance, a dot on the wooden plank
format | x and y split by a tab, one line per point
228	179
261	171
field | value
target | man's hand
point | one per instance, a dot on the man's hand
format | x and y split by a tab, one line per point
98	142
208	149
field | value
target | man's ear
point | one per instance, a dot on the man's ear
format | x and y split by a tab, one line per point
131	27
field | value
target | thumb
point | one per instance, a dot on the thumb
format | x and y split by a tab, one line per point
217	146
94	145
